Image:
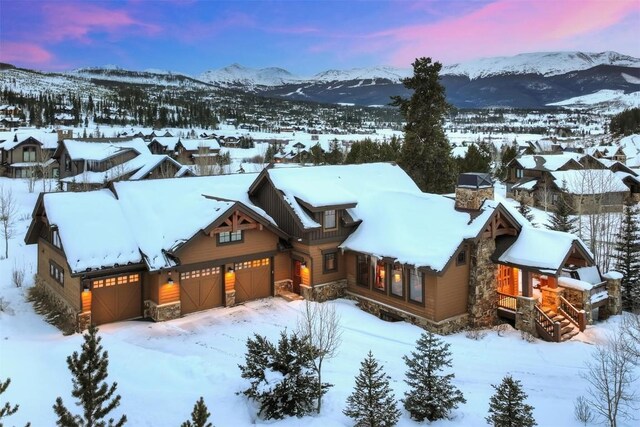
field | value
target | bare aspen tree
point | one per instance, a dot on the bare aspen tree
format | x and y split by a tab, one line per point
611	377
44	167
631	330
8	217
321	325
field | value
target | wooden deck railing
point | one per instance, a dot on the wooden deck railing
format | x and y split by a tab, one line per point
507	301
575	316
546	327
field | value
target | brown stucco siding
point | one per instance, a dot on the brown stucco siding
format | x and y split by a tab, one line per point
72	285
205	248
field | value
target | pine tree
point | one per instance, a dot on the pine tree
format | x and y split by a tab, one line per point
7	410
508	153
426	152
507	407
372	402
525	209
561	220
627	256
431	395
477	159
199	416
93	394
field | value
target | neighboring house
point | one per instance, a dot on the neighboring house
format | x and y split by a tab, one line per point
534	166
164	145
194	151
28	153
587	190
608	152
161	249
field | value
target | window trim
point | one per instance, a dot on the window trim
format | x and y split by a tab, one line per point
29	150
335	220
231	241
326	270
385	279
55	238
403	294
359	274
56	272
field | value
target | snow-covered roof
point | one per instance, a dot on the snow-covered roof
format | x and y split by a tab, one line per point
167	141
541	249
98	151
590	181
429	242
525	185
195	144
551	162
48	140
336	185
141	165
94	230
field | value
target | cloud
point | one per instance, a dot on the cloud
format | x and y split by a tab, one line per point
77	21
505	27
24	53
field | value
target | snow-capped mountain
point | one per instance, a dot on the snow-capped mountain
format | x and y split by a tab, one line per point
371	73
543	63
236	74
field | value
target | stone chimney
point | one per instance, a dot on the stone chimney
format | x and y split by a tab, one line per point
64	134
473	189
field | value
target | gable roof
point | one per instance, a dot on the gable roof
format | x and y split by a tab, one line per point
195	144
551	162
169	142
48	140
99	151
590	181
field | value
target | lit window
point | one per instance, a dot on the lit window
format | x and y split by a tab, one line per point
330	219
396	282
230	236
381	276
330	262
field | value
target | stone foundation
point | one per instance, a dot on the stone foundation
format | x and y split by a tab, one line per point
75	317
230	298
525	315
325	291
283	285
580	300
483	293
444	327
163	312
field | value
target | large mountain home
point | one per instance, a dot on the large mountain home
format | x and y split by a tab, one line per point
29	152
96	163
161	249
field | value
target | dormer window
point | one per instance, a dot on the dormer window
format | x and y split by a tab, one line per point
55	238
329	221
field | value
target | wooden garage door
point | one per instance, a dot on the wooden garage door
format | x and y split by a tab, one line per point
200	289
116	298
253	279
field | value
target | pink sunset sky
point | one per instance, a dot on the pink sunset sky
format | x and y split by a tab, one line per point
304	36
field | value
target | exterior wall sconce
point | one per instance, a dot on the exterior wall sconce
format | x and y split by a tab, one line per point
303	264
169	280
85	287
230	270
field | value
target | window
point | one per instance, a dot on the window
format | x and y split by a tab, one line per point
462	258
55	239
397	287
56	272
362	270
230	236
519	173
29	154
330	262
67	163
381	276
329	222
416	286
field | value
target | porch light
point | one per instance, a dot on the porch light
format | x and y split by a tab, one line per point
85	288
169	280
303	264
230	270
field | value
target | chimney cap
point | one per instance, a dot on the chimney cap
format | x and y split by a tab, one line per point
475	180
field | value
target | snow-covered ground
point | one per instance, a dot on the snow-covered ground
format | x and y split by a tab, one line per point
162	368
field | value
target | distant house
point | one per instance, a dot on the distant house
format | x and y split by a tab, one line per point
189	151
361	231
164	145
27	153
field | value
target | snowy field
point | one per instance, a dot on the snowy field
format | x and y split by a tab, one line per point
162	368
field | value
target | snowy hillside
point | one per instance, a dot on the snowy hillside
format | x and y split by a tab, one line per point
370	73
237	74
148	77
543	63
609	101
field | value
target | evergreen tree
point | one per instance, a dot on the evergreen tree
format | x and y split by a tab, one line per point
199	416
561	220
508	153
507	407
431	395
477	159
93	394
426	152
525	209
7	410
372	402
335	155
276	374
627	256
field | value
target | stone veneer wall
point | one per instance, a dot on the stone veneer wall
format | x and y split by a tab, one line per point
160	313
443	327
525	314
483	283
81	320
579	299
230	298
325	291
283	285
614	306
472	198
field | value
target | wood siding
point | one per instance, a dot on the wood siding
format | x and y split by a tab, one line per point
452	290
282	266
204	248
314	257
267	198
155	287
339	234
72	285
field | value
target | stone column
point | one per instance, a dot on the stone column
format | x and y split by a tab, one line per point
526	315
614	304
483	284
84	321
551	297
230	298
163	312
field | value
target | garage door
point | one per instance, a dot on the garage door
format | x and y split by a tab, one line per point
200	289
253	279
116	298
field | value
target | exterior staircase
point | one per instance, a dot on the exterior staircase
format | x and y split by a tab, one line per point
289	296
567	329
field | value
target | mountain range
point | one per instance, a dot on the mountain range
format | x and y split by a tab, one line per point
528	80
